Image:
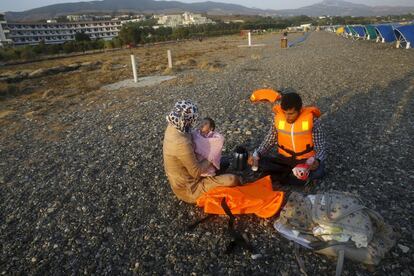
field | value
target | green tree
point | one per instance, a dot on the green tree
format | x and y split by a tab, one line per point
69	47
8	53
41	48
148	22
54	49
163	33
27	53
130	34
81	36
181	33
116	42
109	44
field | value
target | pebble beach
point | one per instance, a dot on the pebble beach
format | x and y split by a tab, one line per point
82	185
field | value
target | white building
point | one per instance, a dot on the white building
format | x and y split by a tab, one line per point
55	33
301	28
195	19
185	19
87	17
79	17
234	21
134	20
4	40
102	17
173	20
306	26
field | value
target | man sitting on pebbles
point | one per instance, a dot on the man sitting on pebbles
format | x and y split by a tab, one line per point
298	135
183	170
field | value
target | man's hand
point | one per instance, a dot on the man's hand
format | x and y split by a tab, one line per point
250	159
315	165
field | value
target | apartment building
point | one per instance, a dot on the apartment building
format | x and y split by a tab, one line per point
185	19
173	20
195	19
87	17
3	32
55	33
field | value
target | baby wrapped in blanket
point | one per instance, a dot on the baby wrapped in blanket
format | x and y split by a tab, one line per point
208	145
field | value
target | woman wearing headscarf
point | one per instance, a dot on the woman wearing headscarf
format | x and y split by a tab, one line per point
180	163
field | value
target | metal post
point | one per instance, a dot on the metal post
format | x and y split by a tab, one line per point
134	68
249	35
170	65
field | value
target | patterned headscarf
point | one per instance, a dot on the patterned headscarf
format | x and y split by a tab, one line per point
184	116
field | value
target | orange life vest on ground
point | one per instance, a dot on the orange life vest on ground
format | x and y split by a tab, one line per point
254	198
266	94
295	140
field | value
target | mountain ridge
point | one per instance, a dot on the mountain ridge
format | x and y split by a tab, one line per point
326	7
344	8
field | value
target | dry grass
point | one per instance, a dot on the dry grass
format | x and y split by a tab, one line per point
5	113
214	66
148	57
169	71
190	62
32	99
7	89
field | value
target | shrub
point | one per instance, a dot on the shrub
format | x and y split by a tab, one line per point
27	53
130	34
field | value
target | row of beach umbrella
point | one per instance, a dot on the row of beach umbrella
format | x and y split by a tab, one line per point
400	34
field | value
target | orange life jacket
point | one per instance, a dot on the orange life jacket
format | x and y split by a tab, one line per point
266	94
254	198
295	140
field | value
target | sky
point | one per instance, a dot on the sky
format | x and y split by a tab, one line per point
20	5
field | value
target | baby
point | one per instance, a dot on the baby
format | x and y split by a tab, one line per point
208	145
207	127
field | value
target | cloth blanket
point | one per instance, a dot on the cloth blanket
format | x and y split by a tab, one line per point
254	198
209	148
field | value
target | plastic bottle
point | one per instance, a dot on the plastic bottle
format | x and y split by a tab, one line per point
255	166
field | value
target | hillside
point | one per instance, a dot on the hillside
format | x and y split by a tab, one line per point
139	6
327	7
344	8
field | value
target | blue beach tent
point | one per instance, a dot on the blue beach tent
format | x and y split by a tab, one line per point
360	31
385	33
371	34
405	36
347	31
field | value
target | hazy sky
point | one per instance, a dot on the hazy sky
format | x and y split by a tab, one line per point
20	5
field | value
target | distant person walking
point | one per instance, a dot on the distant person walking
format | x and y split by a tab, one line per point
180	162
297	134
284	40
